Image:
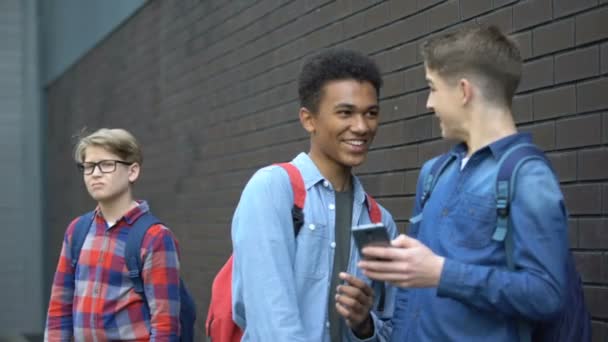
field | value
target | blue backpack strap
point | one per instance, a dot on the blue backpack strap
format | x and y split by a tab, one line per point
430	180
133	247
81	229
508	167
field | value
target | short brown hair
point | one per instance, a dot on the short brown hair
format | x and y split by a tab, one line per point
480	52
116	140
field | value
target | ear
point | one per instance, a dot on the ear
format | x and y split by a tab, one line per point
307	119
467	91
134	172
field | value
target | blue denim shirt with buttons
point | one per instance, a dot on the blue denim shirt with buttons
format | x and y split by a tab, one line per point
478	298
280	285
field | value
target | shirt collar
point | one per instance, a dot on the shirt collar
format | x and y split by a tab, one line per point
498	147
132	215
312	176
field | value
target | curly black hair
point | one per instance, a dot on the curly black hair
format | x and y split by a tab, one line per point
332	65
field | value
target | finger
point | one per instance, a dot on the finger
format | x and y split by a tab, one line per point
349	315
384	253
398	278
345	313
382	266
354	293
356	282
405	241
351	303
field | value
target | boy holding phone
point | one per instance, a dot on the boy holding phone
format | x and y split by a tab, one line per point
458	282
307	287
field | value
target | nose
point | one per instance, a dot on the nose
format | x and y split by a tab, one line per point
359	124
97	170
429	102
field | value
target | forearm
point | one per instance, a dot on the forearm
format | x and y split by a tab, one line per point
494	289
59	321
162	285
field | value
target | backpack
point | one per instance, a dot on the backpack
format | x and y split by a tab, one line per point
574	322
220	326
187	314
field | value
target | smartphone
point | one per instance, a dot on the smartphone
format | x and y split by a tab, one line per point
373	234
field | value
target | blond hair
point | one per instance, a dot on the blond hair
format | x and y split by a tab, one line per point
116	140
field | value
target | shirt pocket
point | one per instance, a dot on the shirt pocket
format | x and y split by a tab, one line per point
475	220
312	247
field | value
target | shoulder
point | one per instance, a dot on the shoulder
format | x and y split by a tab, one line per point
427	165
536	174
69	232
269	177
159	236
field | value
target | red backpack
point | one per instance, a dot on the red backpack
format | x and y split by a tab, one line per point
219	326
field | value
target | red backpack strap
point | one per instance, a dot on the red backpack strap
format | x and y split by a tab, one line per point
299	195
375	214
297	184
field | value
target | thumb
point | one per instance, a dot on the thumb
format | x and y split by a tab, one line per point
404	241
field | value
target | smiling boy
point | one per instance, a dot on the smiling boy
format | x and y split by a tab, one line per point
307	287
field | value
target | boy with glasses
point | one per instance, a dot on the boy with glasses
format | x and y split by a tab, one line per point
93	297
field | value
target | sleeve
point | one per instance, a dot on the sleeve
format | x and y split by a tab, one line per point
382	321
401	294
161	279
59	323
539	227
264	247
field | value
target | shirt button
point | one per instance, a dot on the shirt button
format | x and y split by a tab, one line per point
332	207
326	184
445	212
333	245
311	226
327	324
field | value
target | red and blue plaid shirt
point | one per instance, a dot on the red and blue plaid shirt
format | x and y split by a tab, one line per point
96	301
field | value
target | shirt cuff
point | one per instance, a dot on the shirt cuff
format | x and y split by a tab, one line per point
451	279
375	326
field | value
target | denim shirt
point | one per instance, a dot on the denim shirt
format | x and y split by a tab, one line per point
280	286
478	297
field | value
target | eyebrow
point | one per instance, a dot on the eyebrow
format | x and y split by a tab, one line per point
353	107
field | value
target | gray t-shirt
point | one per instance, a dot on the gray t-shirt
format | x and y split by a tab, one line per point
344	210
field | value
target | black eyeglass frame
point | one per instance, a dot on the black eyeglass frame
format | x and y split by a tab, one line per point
82	167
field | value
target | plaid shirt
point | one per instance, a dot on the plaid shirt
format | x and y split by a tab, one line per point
96	300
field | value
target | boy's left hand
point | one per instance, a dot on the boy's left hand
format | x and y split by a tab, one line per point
354	300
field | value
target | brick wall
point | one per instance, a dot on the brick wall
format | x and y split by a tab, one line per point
210	89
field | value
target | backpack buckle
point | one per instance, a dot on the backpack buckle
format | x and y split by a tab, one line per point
502	207
133	274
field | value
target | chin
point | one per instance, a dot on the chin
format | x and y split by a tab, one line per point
101	197
353	161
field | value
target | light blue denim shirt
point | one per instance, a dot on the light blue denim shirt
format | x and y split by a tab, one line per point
280	285
478	297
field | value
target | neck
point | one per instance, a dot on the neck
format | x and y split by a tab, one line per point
115	209
338	175
487	127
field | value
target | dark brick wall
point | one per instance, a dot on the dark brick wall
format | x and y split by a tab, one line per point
209	87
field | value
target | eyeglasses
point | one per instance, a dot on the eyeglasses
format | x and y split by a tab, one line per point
105	166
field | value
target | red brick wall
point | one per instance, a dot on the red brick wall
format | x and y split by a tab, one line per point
210	90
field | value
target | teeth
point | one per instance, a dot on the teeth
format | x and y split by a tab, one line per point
356	142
